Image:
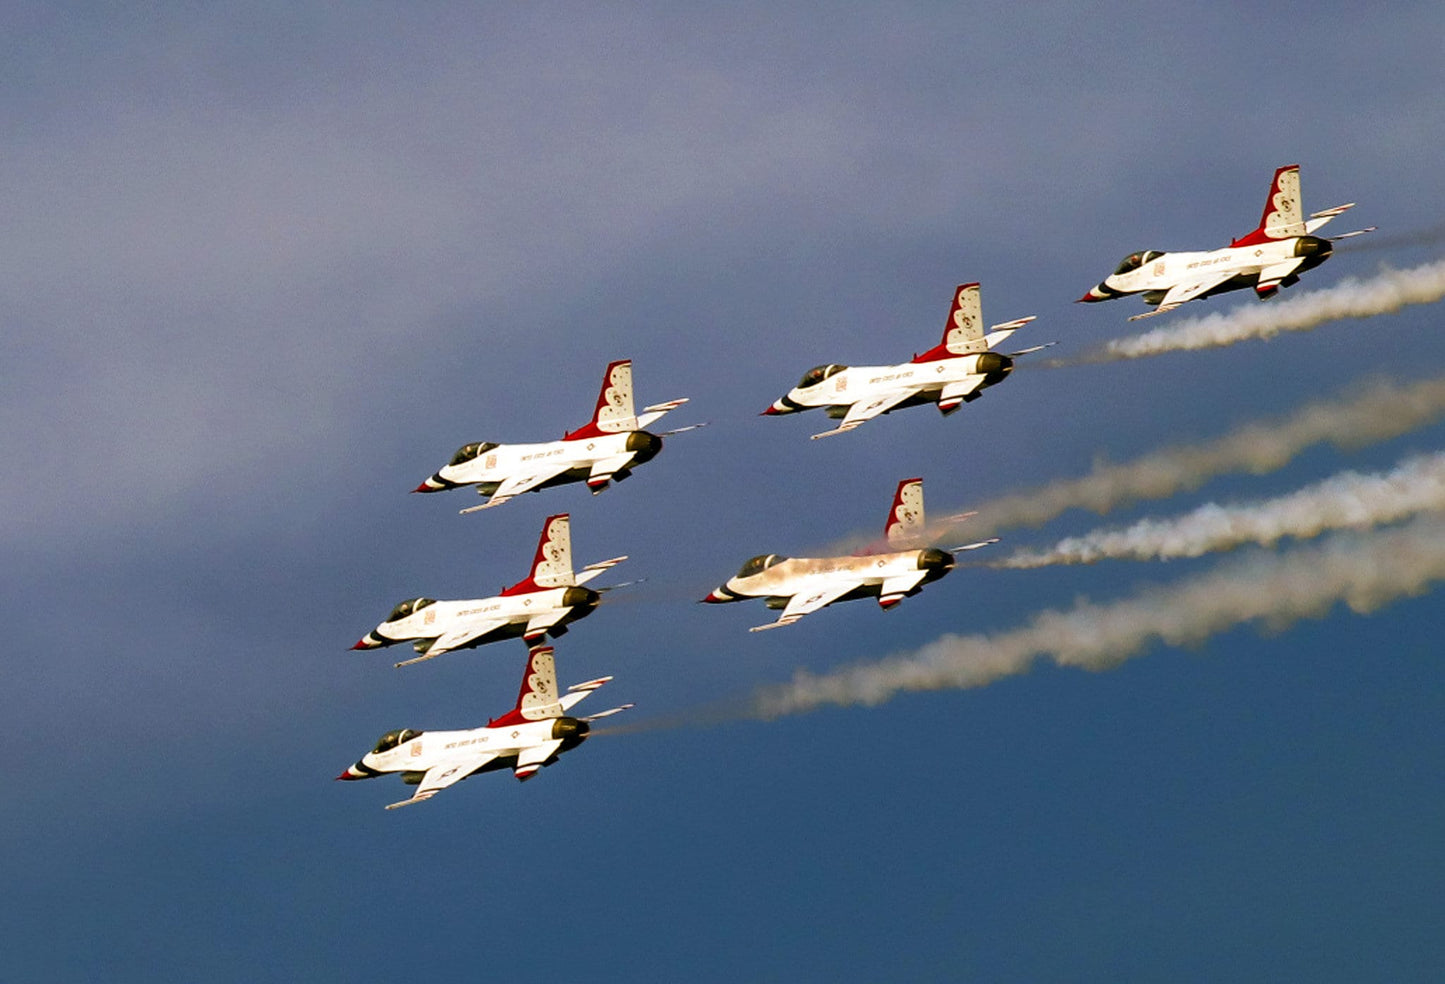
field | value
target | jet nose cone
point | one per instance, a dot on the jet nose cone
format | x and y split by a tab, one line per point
351	773
364	643
715	597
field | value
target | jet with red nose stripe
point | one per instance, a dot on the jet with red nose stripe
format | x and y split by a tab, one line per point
952	373
525	739
1272	256
544	604
604	450
890	571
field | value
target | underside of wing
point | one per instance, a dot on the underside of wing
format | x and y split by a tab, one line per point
456	639
805	603
517	484
1183	292
955	393
439	777
865	410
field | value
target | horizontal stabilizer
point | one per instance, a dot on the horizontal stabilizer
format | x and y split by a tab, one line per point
1029	351
590	684
973	546
1348	235
607	713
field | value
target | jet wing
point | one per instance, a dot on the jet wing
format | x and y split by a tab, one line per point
1187	291
865	410
456	639
439	777
529	760
517	484
805	603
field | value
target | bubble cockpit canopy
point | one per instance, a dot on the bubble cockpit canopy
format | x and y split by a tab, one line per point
408	607
391	739
467	452
817	374
1135	260
760	563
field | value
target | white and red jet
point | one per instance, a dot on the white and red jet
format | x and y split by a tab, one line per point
953	373
551	597
525	739
1270	257
603	451
890	571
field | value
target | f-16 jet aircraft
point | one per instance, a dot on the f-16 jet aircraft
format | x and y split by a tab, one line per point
890	571
531	735
603	451
953	373
1270	257
550	598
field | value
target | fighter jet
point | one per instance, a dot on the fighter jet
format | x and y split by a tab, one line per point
531	735
603	451
892	570
1270	257
953	373
550	598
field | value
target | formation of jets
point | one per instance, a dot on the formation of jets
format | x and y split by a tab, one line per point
539	728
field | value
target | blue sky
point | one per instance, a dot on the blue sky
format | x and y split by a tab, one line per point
266	270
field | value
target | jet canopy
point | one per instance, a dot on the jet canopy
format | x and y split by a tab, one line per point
760	563
391	739
467	452
817	374
1135	260
408	607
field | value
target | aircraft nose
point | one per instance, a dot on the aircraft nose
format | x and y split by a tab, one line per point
352	772
1094	294
433	484
365	642
717	596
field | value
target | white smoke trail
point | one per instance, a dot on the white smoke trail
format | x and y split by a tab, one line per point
1379	411
1365	571
1345	501
1385	293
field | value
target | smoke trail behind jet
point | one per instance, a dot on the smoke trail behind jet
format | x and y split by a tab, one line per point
1380	411
1365	571
1385	293
1345	501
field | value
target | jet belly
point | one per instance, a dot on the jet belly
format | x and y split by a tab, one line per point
867	382
801	575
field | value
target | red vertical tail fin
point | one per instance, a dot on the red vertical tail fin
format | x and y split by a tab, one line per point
1283	216
538	698
905	520
614	413
552	565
